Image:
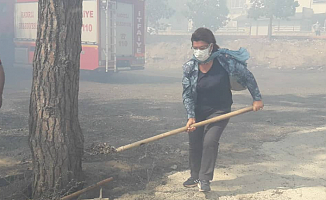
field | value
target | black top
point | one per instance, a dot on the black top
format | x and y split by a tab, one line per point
213	90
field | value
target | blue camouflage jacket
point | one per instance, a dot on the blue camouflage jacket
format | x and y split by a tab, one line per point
236	69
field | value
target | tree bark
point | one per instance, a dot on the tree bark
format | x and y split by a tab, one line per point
55	136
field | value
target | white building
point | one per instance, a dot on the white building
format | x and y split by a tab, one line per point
318	6
238	7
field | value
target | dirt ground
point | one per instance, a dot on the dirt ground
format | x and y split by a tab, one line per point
276	154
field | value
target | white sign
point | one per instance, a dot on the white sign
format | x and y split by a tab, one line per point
124	29
26	20
26	16
89	28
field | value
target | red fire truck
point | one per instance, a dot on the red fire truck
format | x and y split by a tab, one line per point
112	33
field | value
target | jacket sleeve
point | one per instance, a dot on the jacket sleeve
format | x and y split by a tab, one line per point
244	76
188	100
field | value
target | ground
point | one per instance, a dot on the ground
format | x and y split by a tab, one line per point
275	154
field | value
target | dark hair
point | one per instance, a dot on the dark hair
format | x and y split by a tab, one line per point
205	35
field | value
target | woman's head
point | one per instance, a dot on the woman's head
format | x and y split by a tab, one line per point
202	38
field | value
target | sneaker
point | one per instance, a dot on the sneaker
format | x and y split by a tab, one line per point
204	186
191	182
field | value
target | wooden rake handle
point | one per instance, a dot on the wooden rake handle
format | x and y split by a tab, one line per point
76	194
183	129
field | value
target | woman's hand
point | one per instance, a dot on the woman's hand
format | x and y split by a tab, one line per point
257	105
189	123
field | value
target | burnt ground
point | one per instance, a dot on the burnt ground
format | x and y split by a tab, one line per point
129	106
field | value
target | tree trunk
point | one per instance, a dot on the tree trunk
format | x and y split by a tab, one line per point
270	28
55	136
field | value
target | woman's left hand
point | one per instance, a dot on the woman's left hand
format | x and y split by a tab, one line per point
257	105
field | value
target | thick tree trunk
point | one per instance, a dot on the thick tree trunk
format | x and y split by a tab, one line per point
55	137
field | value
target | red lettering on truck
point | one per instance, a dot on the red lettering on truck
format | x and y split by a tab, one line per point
88	14
27	25
27	14
139	33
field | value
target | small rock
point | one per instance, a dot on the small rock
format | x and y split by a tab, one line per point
184	153
174	167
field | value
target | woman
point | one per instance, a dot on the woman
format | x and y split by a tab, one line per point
207	94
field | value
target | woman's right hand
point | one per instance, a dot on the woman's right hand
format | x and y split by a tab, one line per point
189	123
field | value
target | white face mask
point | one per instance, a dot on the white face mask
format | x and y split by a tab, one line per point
202	55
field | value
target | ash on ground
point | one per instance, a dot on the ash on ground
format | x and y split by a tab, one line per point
100	149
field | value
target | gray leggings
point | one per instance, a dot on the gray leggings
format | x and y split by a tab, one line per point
203	147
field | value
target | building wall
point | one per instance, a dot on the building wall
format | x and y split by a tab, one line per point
319	6
238	7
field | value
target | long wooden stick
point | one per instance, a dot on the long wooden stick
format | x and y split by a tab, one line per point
183	129
87	189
